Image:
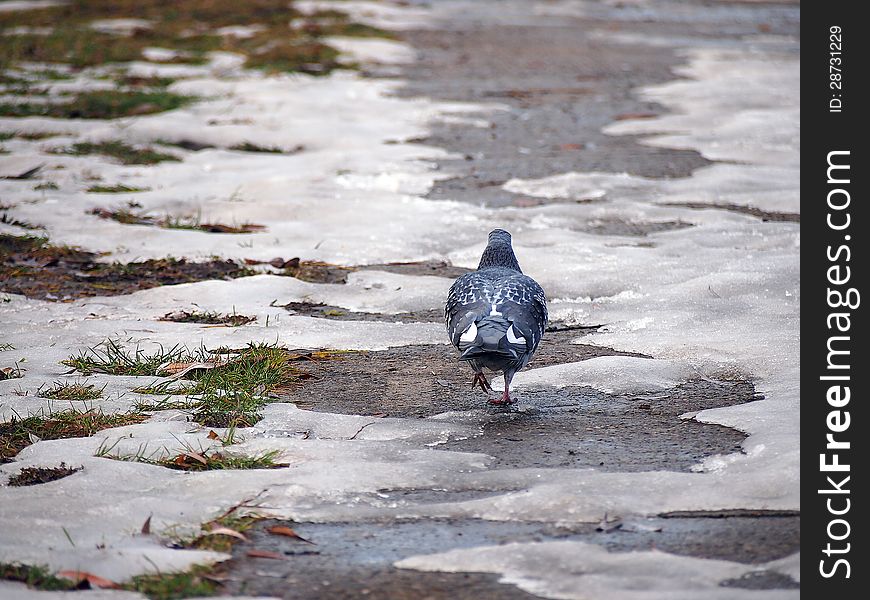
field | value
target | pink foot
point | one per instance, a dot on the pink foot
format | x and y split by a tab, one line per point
480	379
505	399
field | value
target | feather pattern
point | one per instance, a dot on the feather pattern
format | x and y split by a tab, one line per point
496	316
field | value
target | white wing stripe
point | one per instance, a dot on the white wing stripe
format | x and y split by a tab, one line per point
512	338
470	333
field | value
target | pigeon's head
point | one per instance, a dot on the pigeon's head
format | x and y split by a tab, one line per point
499	236
499	252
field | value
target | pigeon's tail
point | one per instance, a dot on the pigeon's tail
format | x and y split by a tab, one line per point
492	337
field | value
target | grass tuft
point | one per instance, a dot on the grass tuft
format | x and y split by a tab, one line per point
121	151
174	586
62	390
118	188
17	434
113	359
228	387
36	577
101	104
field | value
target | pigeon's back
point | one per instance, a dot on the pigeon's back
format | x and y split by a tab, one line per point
496	315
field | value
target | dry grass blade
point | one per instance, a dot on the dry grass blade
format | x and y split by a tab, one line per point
227	531
146	526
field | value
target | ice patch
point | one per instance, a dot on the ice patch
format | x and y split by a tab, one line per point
579	571
611	375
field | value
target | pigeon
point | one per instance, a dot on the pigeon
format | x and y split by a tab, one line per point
496	316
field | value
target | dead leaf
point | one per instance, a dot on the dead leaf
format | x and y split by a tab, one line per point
634	115
212	435
227	531
181	458
254	553
146	527
94	581
287	532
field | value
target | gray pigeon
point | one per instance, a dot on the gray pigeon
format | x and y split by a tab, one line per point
496	316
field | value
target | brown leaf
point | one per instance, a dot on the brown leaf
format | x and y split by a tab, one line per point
634	115
212	435
227	531
146	527
288	532
254	553
94	581
195	456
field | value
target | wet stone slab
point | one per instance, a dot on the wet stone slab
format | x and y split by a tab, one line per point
354	560
575	426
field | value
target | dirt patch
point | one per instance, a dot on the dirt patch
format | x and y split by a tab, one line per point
435	268
337	313
354	560
764	215
578	427
573	427
632	228
207	318
31	266
38	475
418	380
553	80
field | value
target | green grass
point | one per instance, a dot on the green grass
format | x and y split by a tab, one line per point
230	394
33	136
63	390
36	577
175	586
46	185
189	27
100	104
120	151
113	359
118	188
159	586
197	460
12	244
15	435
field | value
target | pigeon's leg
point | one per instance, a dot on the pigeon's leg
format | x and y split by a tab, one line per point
480	379
505	397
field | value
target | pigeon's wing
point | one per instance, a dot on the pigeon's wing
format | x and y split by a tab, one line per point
466	302
524	304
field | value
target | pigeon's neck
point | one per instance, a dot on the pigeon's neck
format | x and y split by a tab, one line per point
499	254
